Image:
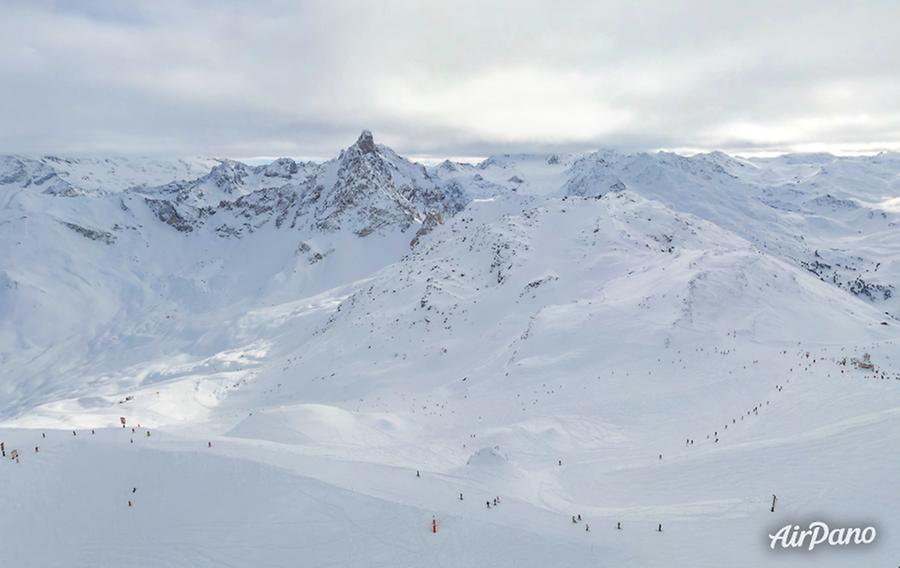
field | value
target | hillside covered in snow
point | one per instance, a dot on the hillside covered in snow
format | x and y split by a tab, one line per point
315	361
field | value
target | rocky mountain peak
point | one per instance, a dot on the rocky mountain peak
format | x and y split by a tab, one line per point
282	168
366	142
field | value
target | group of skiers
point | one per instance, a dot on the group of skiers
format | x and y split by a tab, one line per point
587	527
15	454
715	434
577	519
37	449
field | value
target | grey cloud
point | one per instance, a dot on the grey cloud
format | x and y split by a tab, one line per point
446	78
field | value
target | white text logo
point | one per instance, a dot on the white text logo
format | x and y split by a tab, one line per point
790	536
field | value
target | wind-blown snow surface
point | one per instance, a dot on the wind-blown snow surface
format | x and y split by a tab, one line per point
297	340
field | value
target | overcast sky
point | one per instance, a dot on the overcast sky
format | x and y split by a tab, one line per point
455	78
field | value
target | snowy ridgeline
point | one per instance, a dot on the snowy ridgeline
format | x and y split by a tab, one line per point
330	356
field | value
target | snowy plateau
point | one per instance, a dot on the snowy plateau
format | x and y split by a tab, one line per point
347	363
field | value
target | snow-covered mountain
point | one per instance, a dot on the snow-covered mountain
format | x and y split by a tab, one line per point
79	176
636	338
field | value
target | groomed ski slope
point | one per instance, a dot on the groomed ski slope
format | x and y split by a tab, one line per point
822	444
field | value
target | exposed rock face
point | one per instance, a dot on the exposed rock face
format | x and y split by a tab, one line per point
92	234
229	176
29	173
367	189
432	220
375	188
366	142
166	212
282	167
311	255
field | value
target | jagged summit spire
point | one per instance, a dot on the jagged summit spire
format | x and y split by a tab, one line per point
366	142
